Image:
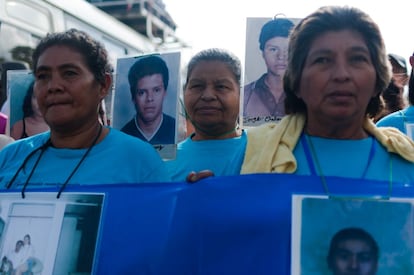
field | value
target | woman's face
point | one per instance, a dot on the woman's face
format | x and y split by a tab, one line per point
212	97
338	78
66	90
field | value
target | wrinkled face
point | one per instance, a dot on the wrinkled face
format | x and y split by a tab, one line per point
212	98
354	257
338	78
275	54
149	98
66	90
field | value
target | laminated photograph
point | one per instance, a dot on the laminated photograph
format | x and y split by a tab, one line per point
44	235
266	61
145	103
351	236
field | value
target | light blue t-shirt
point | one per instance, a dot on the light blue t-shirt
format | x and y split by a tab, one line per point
360	159
224	157
118	158
398	119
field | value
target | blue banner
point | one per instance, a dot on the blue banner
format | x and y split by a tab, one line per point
220	225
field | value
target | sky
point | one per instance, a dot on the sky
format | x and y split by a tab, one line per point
222	23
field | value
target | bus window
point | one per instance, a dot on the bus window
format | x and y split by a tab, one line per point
34	16
115	49
72	22
16	44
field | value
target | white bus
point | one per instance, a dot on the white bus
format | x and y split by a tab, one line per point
24	22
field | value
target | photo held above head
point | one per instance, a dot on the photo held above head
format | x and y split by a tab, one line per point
148	79
264	97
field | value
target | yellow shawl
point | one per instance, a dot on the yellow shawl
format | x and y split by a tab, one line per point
270	146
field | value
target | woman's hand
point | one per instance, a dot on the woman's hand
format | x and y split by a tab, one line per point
196	176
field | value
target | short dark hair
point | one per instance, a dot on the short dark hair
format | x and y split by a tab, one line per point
94	53
334	18
144	66
216	54
351	233
277	27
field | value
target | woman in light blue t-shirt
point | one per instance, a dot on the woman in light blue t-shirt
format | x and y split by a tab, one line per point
211	99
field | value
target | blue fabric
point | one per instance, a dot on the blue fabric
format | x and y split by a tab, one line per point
227	225
221	225
118	158
398	119
350	158
242	224
224	157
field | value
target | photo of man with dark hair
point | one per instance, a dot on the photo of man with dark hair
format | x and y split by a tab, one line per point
148	80
353	251
351	235
264	97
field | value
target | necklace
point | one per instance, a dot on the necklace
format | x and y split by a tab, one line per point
313	161
42	149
